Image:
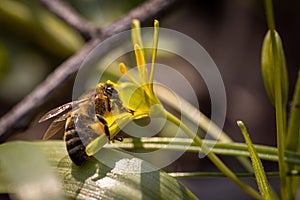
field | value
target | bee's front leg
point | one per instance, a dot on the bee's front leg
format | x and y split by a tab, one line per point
104	122
119	138
131	111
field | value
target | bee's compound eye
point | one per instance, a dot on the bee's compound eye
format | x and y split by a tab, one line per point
110	90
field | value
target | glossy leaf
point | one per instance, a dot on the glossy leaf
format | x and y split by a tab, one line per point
120	178
27	173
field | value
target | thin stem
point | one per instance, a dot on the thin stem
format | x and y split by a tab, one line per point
292	142
198	118
220	174
270	14
280	122
216	174
217	162
294	127
279	105
184	144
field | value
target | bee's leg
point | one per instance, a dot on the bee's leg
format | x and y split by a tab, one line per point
131	111
106	130
108	104
120	138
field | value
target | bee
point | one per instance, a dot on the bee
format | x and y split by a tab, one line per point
84	120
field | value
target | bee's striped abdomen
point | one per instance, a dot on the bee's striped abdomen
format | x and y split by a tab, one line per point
75	147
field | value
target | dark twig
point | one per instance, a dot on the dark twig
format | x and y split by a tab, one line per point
21	115
71	17
145	12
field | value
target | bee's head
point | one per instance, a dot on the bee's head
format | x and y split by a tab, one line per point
110	90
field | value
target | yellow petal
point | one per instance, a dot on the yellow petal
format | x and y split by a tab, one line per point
141	63
154	49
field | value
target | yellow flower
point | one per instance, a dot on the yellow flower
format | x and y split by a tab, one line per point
137	95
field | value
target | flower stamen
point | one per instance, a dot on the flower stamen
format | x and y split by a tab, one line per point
124	71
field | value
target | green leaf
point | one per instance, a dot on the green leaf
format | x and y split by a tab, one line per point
259	172
26	172
120	177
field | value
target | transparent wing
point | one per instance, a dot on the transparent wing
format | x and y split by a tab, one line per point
54	128
61	110
57	111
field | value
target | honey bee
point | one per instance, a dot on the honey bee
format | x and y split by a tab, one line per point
84	120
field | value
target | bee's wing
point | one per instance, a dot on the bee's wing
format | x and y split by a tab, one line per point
57	111
61	110
54	128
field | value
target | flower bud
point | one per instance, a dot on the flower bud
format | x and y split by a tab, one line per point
273	61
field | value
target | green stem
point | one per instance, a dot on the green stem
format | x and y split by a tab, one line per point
292	143
220	174
198	118
280	122
294	126
279	105
185	144
217	162
216	174
270	14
